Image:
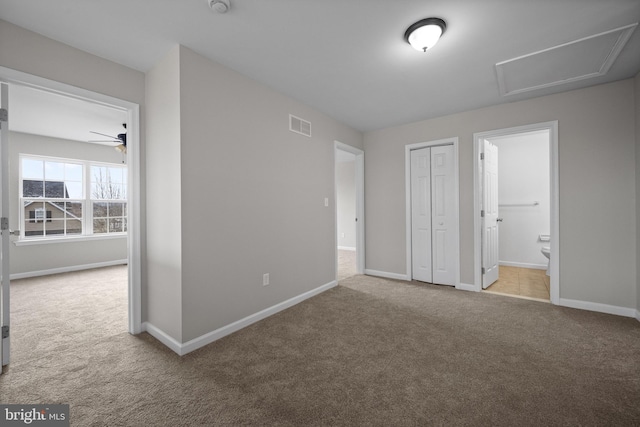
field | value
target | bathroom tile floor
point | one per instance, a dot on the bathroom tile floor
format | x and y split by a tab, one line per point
524	282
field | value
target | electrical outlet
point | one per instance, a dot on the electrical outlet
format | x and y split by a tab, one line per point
265	279
343	236
326	202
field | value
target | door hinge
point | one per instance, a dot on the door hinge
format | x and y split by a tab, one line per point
5	332
483	270
482	213
4	223
481	156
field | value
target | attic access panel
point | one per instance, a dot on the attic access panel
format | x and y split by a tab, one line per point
577	60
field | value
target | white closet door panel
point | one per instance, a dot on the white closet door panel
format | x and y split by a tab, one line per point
443	214
421	215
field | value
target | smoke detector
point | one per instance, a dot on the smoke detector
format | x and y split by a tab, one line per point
220	6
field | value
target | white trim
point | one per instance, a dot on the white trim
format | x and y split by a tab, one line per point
386	275
133	162
360	214
161	336
222	332
69	239
466	287
523	265
638	315
68	269
456	185
595	306
552	127
346	248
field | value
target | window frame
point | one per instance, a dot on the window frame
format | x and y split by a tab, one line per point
86	202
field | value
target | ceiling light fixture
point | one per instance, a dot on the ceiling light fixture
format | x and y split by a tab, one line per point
424	34
220	6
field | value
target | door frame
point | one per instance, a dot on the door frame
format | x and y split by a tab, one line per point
359	163
133	162
552	127
456	197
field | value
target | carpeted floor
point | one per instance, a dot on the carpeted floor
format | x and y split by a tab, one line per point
368	352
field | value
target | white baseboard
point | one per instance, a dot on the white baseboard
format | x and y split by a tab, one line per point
161	336
601	308
523	265
467	287
386	274
638	315
66	269
346	248
212	336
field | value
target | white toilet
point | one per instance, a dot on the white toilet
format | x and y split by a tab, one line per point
546	251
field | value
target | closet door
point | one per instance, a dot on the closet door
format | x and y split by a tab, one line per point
443	215
421	259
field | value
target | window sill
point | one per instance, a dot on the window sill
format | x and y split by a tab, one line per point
46	241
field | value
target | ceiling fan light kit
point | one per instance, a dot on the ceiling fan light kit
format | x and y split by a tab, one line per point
220	6
424	34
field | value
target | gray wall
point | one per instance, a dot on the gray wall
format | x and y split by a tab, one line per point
164	197
346	203
597	187
637	118
34	258
251	194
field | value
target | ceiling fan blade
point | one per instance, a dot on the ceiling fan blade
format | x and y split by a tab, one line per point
103	134
110	143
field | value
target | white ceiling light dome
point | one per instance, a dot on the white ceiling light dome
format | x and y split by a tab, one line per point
424	34
220	6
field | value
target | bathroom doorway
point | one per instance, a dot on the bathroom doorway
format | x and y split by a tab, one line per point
515	183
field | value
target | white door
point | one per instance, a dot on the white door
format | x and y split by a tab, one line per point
4	213
421	215
490	248
443	216
433	216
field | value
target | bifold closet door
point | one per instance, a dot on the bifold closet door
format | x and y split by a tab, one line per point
421	215
432	215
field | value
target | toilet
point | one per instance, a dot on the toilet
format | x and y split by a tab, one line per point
546	251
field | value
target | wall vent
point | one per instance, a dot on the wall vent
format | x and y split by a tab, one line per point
298	125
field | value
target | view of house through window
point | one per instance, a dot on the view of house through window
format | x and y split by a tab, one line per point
62	197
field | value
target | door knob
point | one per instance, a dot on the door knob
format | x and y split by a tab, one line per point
498	219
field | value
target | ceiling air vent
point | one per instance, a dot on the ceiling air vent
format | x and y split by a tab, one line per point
298	125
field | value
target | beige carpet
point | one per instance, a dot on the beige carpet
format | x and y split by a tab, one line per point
346	264
368	352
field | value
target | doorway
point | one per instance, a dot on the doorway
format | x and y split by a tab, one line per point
349	210
511	224
432	221
132	217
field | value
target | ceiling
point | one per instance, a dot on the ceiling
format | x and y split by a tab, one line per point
348	58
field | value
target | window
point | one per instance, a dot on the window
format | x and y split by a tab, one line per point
62	197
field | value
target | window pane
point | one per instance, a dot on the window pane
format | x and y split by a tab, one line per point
73	172
55	189
99	226
115	225
32	169
116	175
54	227
100	209
74	190
32	228
73	209
54	171
31	188
116	209
74	226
